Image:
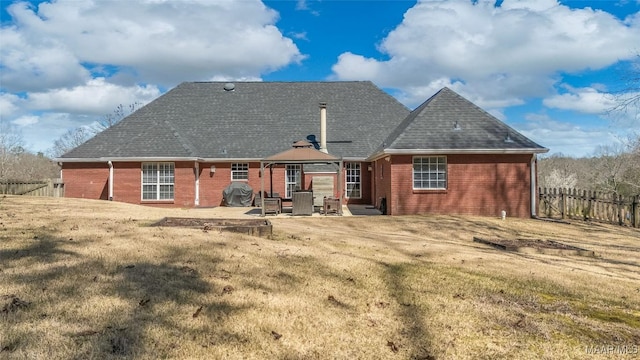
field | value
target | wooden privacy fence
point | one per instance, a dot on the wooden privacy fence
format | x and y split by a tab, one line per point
590	205
50	187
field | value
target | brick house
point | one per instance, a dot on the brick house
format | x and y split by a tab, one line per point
447	156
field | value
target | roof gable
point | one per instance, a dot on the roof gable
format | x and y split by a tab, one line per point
448	122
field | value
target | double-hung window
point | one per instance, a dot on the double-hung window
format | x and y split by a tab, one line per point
430	172
239	171
352	178
293	180
158	181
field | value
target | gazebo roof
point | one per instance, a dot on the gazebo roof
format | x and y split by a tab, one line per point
301	152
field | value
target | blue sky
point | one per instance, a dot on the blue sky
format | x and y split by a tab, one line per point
548	68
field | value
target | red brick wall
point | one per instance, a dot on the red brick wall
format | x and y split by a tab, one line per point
212	184
365	184
382	182
477	185
89	181
365	187
127	184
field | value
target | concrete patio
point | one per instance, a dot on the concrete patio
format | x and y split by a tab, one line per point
253	212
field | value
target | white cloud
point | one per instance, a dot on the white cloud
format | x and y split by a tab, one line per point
49	44
299	35
31	63
566	138
25	120
66	63
596	100
40	131
357	67
97	97
302	5
585	100
535	5
9	104
505	53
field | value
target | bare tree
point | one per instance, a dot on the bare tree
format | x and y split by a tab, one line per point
34	167
16	163
621	164
617	168
119	113
11	145
558	179
76	137
70	140
627	98
560	171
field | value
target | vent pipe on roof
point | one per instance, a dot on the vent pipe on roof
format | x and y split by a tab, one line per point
323	127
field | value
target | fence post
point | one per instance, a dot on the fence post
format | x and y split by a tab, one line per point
58	188
540	201
635	211
620	212
563	204
552	195
586	209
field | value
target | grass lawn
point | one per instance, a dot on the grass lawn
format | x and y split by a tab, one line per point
82	279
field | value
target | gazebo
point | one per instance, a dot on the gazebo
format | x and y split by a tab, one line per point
301	153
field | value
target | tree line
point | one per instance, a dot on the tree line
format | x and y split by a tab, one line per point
613	169
17	163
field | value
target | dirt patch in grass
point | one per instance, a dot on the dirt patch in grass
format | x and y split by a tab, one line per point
255	227
536	245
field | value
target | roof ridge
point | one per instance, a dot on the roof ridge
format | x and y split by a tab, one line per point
511	130
280	82
433	125
186	144
397	132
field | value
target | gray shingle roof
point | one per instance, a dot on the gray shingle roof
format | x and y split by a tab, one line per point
432	126
255	120
259	119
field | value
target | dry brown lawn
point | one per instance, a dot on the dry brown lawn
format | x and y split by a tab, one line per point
84	279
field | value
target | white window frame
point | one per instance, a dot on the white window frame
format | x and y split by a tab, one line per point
292	179
239	171
353	178
429	173
160	177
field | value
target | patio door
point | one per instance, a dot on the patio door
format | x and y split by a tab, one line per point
293	180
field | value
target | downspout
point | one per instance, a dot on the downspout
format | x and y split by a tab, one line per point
340	179
110	180
197	199
262	213
534	193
